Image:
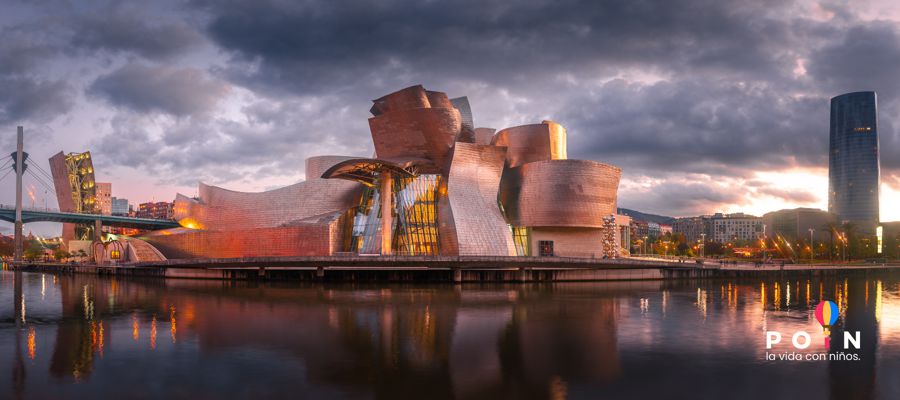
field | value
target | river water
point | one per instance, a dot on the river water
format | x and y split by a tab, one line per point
84	336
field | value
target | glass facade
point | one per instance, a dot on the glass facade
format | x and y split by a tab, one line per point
522	240
415	230
854	170
366	235
415	201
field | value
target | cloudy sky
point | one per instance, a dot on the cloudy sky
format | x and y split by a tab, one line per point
707	105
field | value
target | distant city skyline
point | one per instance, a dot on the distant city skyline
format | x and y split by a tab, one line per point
726	113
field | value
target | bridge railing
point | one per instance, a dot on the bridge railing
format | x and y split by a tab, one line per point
40	209
56	210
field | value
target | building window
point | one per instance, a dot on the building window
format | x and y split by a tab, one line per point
546	247
522	239
414	230
416	209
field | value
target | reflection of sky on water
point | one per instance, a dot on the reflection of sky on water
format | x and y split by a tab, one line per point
85	337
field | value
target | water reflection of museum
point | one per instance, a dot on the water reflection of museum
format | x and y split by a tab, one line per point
459	343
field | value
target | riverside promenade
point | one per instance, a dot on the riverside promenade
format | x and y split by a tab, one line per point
455	269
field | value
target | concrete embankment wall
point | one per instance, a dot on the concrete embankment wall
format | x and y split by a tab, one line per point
339	274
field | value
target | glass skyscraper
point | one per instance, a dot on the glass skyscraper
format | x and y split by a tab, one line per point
854	170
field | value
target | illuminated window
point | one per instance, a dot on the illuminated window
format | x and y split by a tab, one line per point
115	255
415	229
522	239
416	208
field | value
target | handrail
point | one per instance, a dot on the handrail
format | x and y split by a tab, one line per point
56	211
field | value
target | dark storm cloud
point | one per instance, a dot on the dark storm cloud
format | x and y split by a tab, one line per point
153	30
315	46
24	94
865	57
177	91
23	98
663	88
706	126
274	140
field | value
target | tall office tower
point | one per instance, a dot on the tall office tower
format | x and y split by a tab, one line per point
854	169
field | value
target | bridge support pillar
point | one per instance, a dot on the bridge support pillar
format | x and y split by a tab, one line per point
457	275
320	273
262	273
98	230
20	170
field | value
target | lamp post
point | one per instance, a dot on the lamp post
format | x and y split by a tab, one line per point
702	245
765	245
812	247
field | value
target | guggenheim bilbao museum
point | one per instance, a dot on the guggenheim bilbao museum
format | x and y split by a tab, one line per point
435	186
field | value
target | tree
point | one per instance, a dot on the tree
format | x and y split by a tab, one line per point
684	249
59	254
7	248
34	250
711	248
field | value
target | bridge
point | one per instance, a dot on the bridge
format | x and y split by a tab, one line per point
20	215
8	214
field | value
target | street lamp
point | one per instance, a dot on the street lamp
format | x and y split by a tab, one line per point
812	247
702	245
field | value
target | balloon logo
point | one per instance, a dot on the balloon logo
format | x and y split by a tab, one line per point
827	313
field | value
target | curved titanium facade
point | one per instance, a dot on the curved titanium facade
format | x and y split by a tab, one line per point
223	209
854	170
306	218
403	99
484	135
530	143
415	123
427	133
560	193
479	226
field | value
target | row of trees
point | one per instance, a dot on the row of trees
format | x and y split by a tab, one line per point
843	243
35	249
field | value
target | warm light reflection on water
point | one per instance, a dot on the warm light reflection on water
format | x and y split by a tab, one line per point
659	339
